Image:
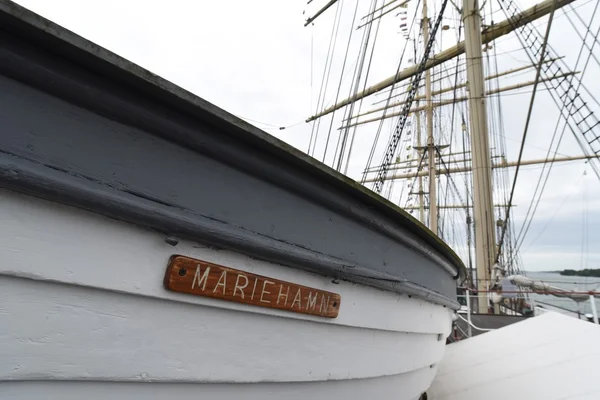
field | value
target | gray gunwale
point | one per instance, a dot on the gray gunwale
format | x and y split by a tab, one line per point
55	61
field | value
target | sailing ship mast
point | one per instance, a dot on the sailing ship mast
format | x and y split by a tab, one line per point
492	33
483	212
484	223
431	149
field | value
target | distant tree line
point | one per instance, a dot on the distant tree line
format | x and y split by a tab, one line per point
582	272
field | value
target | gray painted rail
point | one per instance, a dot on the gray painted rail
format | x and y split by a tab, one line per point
87	128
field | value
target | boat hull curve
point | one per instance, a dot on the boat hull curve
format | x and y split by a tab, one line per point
83	297
107	171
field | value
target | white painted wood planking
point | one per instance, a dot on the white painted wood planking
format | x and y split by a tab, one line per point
82	299
68	332
397	387
49	241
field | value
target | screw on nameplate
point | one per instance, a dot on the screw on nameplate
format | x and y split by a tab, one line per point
202	278
172	241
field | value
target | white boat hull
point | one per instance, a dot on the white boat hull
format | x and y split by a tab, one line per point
84	313
107	171
391	387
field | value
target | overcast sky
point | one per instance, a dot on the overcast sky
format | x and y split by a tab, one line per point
256	60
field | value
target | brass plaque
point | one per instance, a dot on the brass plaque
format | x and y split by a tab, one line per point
201	278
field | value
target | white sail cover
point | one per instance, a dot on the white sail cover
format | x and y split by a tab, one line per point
550	357
544	288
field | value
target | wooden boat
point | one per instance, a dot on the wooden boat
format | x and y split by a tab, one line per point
120	190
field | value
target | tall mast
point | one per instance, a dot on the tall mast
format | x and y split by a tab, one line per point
433	217
483	211
421	200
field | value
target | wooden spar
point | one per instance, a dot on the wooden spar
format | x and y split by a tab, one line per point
431	149
421	198
493	33
440	78
451	101
414	163
321	11
512	71
446	171
379	9
457	206
382	14
483	210
448	89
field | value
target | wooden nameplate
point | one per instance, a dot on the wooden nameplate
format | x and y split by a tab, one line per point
201	278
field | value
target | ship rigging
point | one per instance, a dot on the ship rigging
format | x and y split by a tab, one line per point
434	137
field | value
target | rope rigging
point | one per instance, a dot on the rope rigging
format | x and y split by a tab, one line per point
343	137
362	99
579	118
393	144
527	121
452	120
341	80
325	80
585	236
573	119
400	144
380	127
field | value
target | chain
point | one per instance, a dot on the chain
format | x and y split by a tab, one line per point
393	144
